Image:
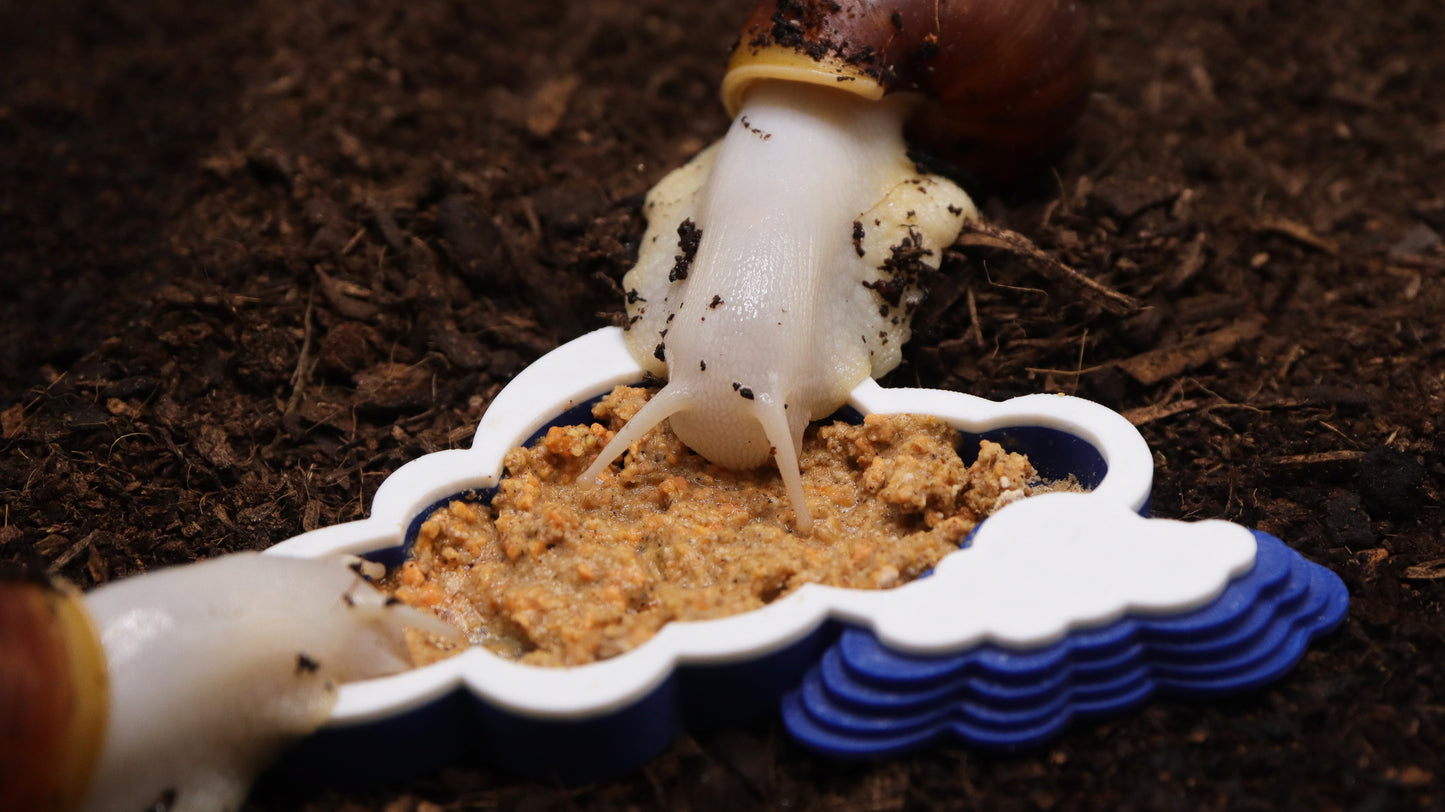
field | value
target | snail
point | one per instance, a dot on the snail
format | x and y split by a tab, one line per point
780	266
173	689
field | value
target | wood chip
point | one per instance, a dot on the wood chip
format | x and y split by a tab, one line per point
347	298
1159	411
1298	232
1371	559
1191	260
1432	570
70	553
11	420
549	104
1156	365
1419	261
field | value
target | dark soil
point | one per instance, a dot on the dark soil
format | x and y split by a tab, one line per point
255	256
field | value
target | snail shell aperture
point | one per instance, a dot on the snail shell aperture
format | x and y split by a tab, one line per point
997	84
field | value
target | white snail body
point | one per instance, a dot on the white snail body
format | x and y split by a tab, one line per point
792	275
779	270
209	670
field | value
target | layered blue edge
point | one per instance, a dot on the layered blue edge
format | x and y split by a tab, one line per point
862	700
843	693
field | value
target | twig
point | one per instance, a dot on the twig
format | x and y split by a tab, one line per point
1421	261
302	372
976	329
1169	408
1298	232
1319	458
1158	364
984	235
1159	411
1051	371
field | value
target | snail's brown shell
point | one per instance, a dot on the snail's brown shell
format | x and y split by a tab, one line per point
53	696
1000	83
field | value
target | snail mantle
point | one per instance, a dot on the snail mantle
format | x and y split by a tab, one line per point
1061	606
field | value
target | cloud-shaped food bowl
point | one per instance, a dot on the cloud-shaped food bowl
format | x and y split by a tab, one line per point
1037	579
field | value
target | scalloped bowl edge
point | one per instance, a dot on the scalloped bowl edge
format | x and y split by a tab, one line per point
567	699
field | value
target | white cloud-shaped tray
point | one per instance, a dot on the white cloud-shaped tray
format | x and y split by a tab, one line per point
1034	572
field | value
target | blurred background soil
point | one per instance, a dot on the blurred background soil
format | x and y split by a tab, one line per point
255	256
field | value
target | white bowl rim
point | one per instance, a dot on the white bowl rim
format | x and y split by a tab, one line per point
578	372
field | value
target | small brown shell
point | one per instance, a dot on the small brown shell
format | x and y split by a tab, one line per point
53	696
1000	83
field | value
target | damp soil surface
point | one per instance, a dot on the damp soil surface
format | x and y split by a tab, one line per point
256	256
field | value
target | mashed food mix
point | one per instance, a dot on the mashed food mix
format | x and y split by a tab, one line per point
559	573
